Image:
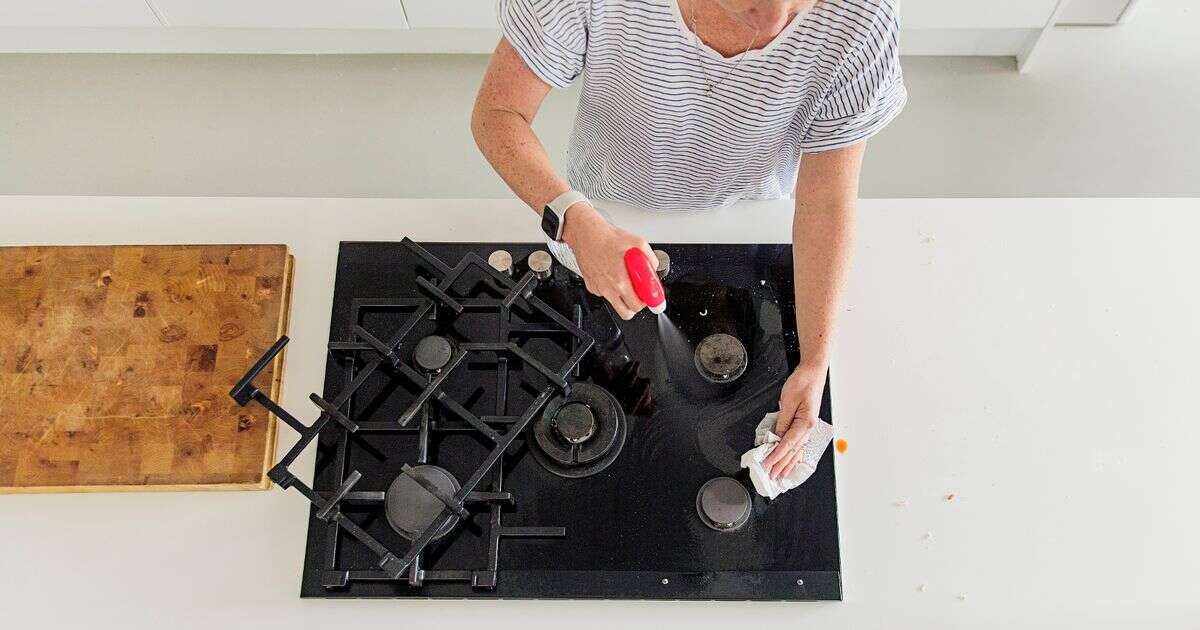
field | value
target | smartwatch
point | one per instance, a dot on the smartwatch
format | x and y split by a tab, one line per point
554	215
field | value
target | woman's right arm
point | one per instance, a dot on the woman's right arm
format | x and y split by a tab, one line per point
501	122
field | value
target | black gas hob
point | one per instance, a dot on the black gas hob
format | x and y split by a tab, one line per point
488	429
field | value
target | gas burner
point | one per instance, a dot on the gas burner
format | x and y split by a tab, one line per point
433	353
721	358
581	434
723	504
411	507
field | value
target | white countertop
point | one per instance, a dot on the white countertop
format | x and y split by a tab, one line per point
1039	359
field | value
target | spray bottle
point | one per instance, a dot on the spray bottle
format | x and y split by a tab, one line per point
643	274
643	271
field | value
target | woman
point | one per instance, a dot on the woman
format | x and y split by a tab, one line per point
690	104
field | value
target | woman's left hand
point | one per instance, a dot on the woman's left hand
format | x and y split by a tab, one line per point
799	402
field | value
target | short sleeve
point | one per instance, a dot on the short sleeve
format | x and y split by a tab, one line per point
867	93
550	36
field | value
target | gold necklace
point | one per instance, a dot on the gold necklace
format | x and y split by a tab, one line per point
700	57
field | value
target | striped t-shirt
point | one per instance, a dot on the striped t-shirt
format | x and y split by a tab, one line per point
650	132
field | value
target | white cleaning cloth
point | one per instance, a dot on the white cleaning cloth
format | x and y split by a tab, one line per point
766	440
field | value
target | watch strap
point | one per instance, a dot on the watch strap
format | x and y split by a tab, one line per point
559	206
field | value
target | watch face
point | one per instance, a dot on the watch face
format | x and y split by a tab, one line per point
550	223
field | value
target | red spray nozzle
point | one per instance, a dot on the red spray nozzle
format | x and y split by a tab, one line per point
643	275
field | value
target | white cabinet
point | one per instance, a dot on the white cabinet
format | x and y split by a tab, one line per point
930	27
1093	11
989	14
103	13
920	14
451	13
325	14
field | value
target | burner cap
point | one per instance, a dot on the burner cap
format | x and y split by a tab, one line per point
574	423
721	358
723	504
410	508
433	353
581	434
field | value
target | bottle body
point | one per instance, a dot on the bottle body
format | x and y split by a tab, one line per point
643	274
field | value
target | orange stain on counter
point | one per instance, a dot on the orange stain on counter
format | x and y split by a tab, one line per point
841	446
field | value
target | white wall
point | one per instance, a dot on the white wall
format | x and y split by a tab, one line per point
1105	112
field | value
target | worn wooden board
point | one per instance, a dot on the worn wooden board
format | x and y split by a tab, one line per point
116	362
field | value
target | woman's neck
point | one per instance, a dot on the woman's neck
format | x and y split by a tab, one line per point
730	27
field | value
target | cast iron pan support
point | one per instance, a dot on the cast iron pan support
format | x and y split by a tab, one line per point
327	509
393	566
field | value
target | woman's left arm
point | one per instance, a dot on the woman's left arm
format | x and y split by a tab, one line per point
822	242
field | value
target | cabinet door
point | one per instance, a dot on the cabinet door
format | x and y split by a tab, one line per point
1093	11
111	13
343	14
975	13
451	13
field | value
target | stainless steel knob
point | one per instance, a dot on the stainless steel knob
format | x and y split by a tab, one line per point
664	263
501	261
541	264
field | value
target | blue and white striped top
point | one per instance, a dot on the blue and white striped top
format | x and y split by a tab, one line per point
649	132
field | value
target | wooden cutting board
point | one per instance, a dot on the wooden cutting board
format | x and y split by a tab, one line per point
116	363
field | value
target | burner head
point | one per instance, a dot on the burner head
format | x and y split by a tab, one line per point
721	358
410	508
723	504
580	434
433	353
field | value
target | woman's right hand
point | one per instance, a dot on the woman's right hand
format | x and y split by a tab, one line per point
599	249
